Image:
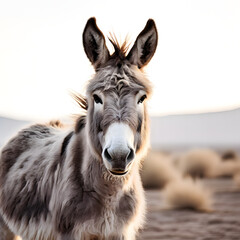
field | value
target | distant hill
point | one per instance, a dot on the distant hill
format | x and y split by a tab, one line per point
219	130
9	127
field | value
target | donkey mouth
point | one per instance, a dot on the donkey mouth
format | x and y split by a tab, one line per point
118	172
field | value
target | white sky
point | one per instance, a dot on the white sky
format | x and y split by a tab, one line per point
196	67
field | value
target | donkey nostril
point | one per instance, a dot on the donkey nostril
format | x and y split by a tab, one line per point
119	156
107	155
130	156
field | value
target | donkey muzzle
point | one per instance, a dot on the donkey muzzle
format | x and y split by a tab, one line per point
118	152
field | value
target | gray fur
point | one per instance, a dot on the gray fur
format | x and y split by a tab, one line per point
53	182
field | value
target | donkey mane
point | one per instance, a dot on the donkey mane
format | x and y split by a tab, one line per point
80	100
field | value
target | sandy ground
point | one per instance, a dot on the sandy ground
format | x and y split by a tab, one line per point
223	223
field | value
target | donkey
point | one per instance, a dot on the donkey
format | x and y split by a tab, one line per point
84	183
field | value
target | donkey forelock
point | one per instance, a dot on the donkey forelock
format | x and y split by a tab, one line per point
115	77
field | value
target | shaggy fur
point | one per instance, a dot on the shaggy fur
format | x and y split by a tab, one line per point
54	183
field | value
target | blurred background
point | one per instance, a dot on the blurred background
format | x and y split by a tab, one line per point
195	71
194	111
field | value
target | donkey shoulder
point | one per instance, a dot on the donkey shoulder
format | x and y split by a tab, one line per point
22	142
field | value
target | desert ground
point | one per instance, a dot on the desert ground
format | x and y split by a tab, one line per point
223	222
202	201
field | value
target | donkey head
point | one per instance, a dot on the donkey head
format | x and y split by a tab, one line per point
117	115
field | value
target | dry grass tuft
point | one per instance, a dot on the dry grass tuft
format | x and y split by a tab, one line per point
230	155
158	171
228	168
237	179
187	194
199	163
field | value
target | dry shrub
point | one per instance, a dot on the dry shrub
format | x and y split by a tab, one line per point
199	163
187	194
230	164
230	155
175	159
228	168
158	170
237	179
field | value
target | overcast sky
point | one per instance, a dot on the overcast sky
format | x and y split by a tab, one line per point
196	67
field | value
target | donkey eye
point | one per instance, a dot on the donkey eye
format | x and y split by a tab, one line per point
97	99
142	99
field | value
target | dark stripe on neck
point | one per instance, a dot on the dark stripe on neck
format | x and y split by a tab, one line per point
65	142
80	123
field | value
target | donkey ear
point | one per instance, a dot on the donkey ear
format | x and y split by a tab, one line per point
144	46
94	44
